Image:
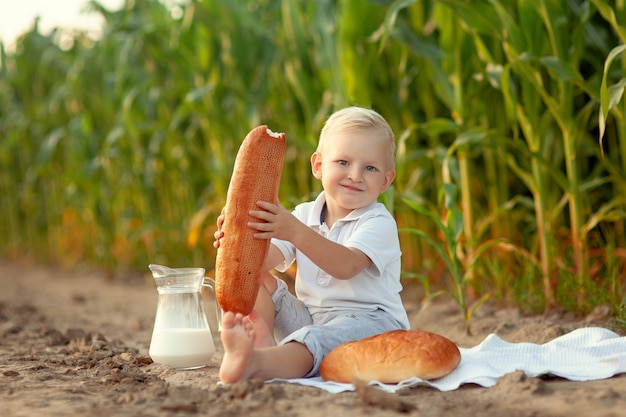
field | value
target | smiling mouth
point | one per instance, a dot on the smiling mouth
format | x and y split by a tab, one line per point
351	188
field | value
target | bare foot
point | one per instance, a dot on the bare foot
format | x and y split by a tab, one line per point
264	337
238	337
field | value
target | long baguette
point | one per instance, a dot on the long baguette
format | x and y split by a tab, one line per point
256	177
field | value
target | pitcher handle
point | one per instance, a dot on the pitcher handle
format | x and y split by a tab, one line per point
218	311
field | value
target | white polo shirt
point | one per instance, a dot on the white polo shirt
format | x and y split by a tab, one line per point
373	231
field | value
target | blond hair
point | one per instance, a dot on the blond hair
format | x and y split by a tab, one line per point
358	118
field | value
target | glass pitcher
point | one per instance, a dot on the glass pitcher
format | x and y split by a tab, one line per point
181	337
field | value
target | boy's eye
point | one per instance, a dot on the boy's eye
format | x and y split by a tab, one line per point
370	168
342	162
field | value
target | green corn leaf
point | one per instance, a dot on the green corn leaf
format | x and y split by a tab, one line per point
423	210
612	211
479	17
513	37
470	137
454	216
50	144
562	71
521	173
606	98
474	307
439	126
199	93
391	16
607	11
438	248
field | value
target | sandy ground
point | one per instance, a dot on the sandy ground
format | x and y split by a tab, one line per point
76	343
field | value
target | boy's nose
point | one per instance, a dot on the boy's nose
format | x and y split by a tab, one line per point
355	174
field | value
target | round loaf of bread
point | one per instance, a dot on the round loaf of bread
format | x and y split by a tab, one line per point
392	357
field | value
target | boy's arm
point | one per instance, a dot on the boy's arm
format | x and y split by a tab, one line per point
273	259
335	259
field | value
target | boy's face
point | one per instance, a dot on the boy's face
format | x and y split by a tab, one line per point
354	168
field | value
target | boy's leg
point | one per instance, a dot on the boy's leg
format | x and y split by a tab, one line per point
243	361
280	310
290	313
262	317
333	329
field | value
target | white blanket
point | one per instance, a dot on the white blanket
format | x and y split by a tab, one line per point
582	355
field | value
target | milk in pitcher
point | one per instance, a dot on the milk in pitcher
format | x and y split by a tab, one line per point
184	348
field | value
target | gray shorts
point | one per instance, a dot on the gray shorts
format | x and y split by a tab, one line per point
322	332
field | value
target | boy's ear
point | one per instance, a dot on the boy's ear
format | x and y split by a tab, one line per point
389	177
316	165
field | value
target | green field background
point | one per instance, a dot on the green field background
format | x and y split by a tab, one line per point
509	120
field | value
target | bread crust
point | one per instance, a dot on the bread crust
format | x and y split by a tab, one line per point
392	357
240	257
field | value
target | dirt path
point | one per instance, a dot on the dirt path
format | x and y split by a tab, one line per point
76	343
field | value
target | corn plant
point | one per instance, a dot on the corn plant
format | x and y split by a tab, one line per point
118	151
452	229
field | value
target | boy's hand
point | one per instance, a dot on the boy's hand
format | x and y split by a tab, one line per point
219	233
274	222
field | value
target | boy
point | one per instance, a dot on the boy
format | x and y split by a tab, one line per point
347	251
